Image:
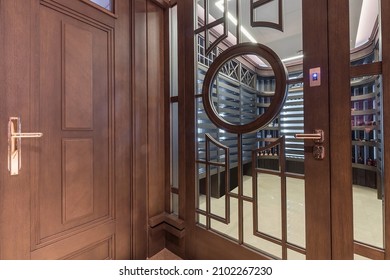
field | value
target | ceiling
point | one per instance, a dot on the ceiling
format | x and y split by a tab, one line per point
288	43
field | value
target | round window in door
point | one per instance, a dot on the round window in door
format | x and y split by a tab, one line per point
223	109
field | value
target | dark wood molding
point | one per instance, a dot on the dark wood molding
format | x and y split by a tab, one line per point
366	70
166	230
170	219
368	252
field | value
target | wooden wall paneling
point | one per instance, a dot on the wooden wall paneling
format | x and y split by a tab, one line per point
123	133
156	121
317	186
340	130
17	25
139	125
155	126
385	39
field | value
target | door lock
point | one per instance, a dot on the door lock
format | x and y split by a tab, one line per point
318	137
15	136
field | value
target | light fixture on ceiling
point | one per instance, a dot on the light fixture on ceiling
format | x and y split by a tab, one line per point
220	6
297	57
244	31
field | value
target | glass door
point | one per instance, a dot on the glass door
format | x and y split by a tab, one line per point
263	173
249	106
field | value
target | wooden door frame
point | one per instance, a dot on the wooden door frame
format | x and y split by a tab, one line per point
340	127
324	196
151	129
19	25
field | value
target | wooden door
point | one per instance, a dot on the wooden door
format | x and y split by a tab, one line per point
71	199
248	225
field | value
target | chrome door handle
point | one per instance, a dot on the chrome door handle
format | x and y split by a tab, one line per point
15	144
318	137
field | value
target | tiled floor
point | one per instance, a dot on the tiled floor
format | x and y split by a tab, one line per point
368	227
367	211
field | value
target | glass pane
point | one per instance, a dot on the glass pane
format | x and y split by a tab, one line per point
270	248
269	205
366	116
292	255
106	4
296	212
230	229
175	203
364	35
174	145
201	220
287	44
235	94
358	257
173	51
201	186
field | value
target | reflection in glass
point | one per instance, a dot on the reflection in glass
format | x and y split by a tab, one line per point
292	255
175	203
201	187
231	229
366	116
366	125
358	257
363	16
239	94
270	248
269	205
296	212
